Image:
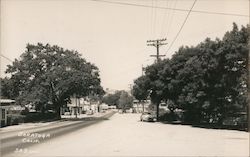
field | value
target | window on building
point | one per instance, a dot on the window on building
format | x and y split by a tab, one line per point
3	113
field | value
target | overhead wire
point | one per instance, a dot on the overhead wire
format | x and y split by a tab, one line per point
171	19
176	9
154	23
164	19
169	15
184	22
151	18
6	57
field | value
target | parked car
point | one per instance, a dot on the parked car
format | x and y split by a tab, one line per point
89	112
238	119
102	111
129	110
66	113
147	117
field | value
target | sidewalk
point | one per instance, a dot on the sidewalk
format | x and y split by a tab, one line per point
23	126
80	116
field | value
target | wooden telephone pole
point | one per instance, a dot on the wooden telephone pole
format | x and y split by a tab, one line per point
157	43
143	69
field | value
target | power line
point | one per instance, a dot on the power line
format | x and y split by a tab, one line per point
171	19
151	20
184	22
6	58
154	13
164	19
176	9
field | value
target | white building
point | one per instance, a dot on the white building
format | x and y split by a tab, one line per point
140	107
79	106
5	106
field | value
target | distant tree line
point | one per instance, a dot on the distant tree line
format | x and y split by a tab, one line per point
121	99
208	82
48	76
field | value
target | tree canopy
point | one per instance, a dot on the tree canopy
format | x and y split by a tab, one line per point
50	74
208	81
121	99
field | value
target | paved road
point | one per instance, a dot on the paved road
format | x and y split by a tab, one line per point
125	135
24	138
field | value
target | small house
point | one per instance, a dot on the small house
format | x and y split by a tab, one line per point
5	105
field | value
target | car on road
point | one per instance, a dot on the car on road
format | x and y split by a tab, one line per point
66	113
147	117
89	112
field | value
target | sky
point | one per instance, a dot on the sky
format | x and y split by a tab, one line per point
114	35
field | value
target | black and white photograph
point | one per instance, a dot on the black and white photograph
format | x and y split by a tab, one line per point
124	78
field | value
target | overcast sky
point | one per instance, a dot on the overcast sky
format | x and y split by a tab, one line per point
113	36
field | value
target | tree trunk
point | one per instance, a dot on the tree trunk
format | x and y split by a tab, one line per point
137	111
143	106
57	109
157	111
58	112
55	101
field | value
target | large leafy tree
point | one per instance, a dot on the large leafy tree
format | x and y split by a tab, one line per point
141	88
213	80
112	99
232	65
156	84
121	99
125	101
208	81
50	74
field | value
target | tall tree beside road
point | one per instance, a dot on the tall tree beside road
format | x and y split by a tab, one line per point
125	101
112	99
156	84
46	73
141	89
233	63
208	81
121	99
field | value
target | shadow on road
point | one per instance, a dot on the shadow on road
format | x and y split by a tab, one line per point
10	144
208	126
85	119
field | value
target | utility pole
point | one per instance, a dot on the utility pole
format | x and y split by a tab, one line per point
157	43
130	87
143	69
76	108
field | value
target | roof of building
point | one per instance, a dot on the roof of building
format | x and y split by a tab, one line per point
7	101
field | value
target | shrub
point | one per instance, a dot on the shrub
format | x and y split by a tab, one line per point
15	119
38	116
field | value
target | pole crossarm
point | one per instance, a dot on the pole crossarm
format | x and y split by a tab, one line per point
157	43
158	55
164	39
